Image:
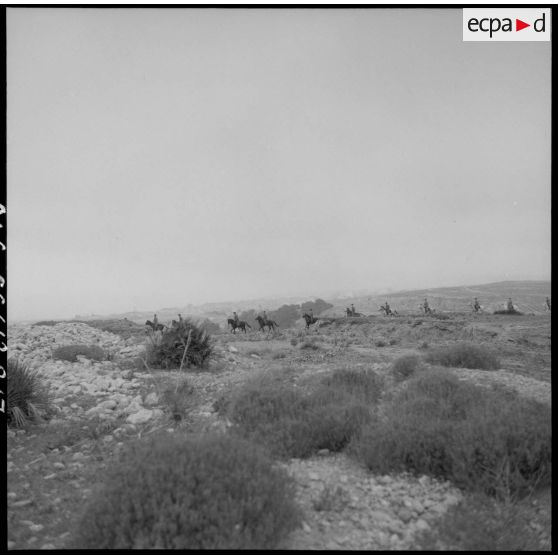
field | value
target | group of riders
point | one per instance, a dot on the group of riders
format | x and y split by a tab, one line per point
236	323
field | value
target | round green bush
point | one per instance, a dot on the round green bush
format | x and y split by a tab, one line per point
170	493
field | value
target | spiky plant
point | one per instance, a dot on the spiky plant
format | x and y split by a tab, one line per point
28	398
180	347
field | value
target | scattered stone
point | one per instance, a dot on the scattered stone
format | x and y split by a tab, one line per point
151	399
306	527
404	514
233	349
140	417
22	503
323	452
422	525
48	546
59	465
36	528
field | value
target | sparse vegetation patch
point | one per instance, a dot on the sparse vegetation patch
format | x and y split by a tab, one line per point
171	493
28	398
464	355
293	423
480	439
71	352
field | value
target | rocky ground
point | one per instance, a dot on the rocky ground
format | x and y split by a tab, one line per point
53	467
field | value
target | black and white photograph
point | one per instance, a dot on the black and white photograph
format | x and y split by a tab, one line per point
278	278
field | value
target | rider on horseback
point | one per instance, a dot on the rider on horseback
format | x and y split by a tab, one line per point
388	309
476	305
353	311
155	321
426	306
235	318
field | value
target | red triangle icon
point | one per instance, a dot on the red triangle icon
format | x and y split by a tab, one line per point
519	25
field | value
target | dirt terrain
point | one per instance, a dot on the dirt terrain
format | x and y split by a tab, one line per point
55	466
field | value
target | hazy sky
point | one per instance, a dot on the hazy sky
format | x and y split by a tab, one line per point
165	157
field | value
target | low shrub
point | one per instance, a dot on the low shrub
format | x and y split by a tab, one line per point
363	384
178	347
294	341
380	343
464	355
177	398
279	354
292	423
478	523
332	499
28	398
309	345
71	352
404	367
198	493
47	323
480	439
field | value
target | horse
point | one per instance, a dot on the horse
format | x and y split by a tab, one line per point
155	327
309	320
388	311
269	323
238	325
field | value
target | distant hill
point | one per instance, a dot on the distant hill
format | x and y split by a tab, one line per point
528	296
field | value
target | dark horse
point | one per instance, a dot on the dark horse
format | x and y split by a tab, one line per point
269	323
238	325
388	311
158	327
309	320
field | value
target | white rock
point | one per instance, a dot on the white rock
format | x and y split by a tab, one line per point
151	399
233	349
140	417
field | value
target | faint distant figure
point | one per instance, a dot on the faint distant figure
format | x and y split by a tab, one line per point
476	305
155	321
510	305
388	309
180	320
548	303
426	307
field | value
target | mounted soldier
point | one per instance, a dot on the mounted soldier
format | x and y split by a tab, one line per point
426	306
510	305
476	305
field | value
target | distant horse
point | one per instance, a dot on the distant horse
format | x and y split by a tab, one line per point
238	325
310	320
158	327
388	311
269	323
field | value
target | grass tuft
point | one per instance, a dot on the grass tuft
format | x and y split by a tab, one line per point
464	355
